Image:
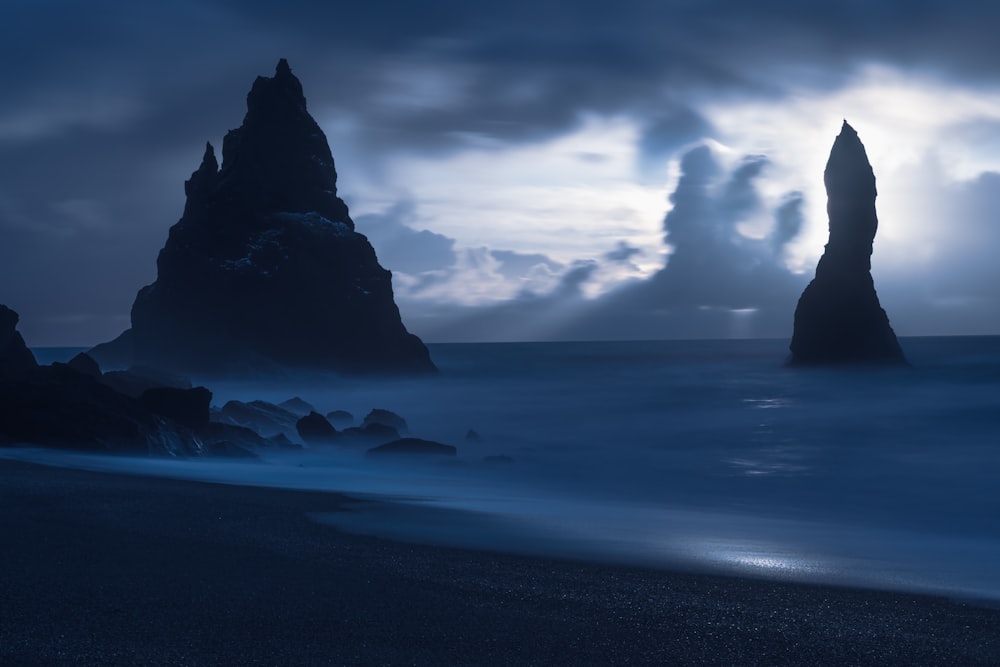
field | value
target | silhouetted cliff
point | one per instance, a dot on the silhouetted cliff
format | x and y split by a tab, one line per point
15	357
265	268
839	319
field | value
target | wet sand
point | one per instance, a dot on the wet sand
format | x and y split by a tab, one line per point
104	569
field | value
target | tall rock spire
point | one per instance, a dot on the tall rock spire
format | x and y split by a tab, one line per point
264	268
838	319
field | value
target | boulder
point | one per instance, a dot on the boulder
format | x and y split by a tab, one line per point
297	406
70	406
314	429
265	418
189	407
412	446
84	363
386	418
340	418
59	407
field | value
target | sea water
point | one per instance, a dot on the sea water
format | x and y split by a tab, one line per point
704	455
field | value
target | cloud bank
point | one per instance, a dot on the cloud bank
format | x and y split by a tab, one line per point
518	158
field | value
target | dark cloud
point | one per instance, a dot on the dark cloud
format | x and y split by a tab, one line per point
623	253
665	130
787	221
517	265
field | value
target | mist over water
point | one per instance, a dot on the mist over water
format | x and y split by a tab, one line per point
707	455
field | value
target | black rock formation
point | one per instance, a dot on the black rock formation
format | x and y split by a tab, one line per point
84	363
340	418
297	406
134	381
185	406
265	268
314	429
265	418
15	357
74	406
386	418
60	406
838	319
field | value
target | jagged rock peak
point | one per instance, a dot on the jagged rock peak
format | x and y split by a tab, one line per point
279	158
264	268
838	319
204	177
283	89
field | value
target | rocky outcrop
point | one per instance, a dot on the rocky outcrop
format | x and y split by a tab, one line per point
61	406
314	429
75	406
136	380
838	319
185	406
340	418
297	406
385	418
84	363
15	357
265	418
265	268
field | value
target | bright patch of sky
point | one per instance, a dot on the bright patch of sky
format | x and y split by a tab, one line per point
574	197
914	129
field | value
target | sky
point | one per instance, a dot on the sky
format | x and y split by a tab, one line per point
528	170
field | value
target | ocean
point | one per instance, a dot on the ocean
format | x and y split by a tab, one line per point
697	455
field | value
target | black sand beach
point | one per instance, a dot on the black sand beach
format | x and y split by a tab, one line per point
102	569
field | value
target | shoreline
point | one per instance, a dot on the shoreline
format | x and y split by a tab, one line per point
103	567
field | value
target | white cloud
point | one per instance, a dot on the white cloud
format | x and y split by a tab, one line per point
570	197
905	121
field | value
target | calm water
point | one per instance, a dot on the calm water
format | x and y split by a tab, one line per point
705	455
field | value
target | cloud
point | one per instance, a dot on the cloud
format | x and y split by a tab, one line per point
519	265
787	221
622	253
400	247
449	101
717	282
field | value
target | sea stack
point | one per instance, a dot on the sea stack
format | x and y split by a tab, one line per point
838	319
265	268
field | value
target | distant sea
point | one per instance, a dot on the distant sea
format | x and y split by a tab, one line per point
705	455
